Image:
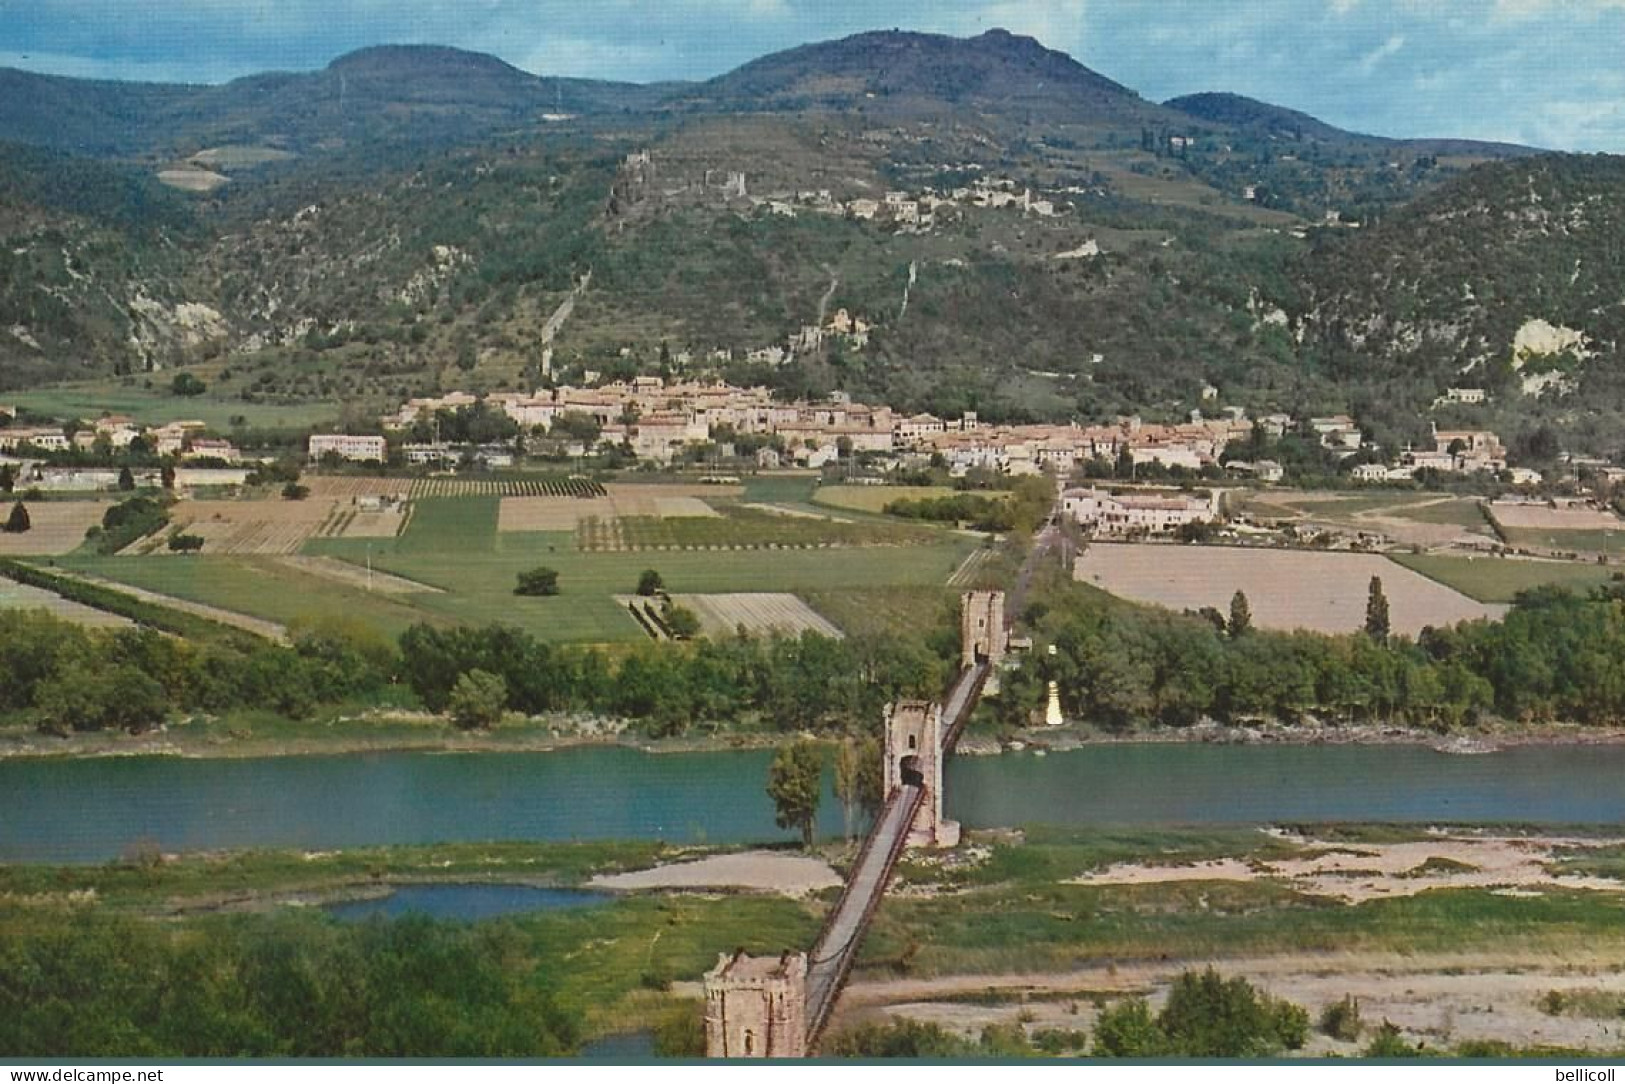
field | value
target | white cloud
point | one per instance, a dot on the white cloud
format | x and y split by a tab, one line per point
1368	63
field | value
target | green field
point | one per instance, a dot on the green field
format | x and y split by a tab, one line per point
1499	579
453	544
1566	541
876	498
156	406
743	527
257	586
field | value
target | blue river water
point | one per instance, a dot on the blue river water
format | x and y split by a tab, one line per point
95	810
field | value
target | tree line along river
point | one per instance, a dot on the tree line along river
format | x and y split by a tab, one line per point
94	810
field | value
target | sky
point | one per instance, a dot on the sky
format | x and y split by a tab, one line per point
1540	72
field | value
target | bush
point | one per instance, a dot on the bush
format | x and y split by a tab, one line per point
650	583
187	384
538	581
478	700
294	491
1341	1019
18	521
1389	1043
185	543
680	1031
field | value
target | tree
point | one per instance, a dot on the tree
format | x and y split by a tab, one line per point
166	476
681	622
1241	615
185	543
650	583
795	783
1128	1030
1376	612
188	385
18	521
478	700
8	478
293	491
126	480
538	581
1208	1016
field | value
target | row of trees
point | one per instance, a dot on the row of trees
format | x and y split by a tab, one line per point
1556	656
70	678
810	682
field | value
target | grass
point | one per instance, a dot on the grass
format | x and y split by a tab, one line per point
1012	913
1496	579
883	611
741	527
155	406
613	963
257	586
1566	541
453	544
450	525
875	498
781	488
478	574
1456	513
192	880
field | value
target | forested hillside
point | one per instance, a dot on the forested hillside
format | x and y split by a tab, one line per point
1073	252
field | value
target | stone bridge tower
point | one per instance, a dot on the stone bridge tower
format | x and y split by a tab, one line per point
756	1006
914	755
982	632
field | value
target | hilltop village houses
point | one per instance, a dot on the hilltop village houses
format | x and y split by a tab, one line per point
657	421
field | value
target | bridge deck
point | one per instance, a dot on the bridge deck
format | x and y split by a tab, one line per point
833	954
837	947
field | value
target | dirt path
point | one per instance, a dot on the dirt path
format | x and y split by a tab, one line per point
383	583
1439	999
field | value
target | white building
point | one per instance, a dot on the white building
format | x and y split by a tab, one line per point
1129	513
354	448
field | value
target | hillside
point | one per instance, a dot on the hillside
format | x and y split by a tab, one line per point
1017	234
1447	290
898	74
422	93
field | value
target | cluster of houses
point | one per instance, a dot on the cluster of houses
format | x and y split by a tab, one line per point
1126	515
184	440
657	421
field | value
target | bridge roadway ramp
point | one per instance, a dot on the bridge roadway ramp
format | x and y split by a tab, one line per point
837	947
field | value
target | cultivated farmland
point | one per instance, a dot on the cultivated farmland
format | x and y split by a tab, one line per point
1285	589
757	613
740	528
253	526
876	498
507	487
58	527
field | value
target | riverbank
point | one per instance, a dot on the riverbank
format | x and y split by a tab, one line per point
260	734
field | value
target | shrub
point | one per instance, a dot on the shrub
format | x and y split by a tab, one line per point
185	543
1341	1019
538	581
650	583
18	521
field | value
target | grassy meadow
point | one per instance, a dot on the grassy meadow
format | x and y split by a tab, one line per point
156	405
452	543
1498	579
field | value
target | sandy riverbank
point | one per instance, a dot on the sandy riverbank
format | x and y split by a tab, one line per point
421	732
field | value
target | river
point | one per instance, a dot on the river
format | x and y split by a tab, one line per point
94	810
